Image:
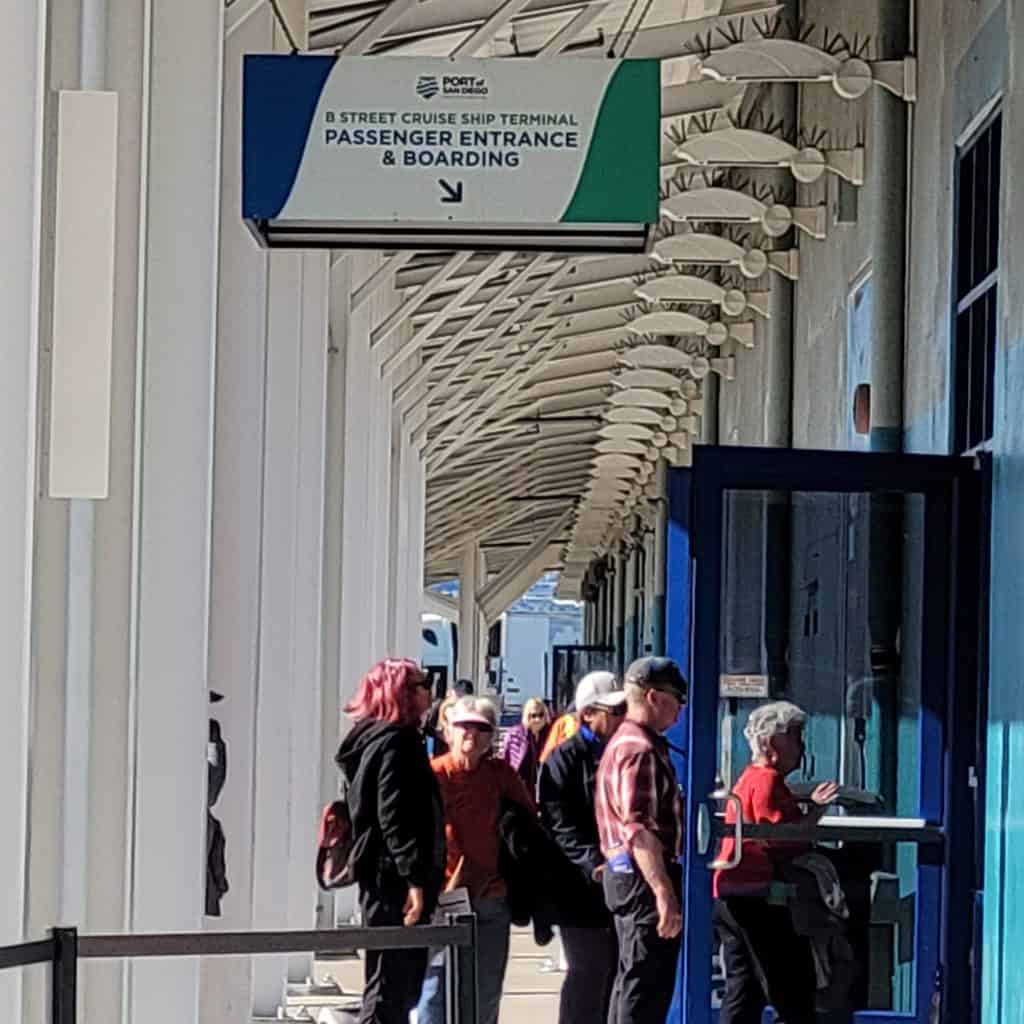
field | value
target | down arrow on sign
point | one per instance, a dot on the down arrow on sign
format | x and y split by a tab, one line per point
450	193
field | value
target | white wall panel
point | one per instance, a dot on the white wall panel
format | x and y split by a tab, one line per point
20	126
83	295
226	993
175	421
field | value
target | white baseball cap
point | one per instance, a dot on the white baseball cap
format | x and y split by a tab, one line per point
599	690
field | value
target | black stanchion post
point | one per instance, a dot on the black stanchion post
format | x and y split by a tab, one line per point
466	1008
64	997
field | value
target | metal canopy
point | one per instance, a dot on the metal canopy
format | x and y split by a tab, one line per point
506	370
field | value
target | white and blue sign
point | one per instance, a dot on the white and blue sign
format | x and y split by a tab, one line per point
339	147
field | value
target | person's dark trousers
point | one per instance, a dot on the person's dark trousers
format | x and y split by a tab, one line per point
592	954
393	977
646	975
766	963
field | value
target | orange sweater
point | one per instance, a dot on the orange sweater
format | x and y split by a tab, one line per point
563	728
472	807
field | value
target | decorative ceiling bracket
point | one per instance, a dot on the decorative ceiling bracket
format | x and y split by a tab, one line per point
788	60
654	356
687	288
744	147
728	206
714	250
725	368
786	262
671	323
661	380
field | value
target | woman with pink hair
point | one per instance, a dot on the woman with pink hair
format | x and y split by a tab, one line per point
395	805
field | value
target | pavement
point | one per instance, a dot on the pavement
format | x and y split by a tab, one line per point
532	983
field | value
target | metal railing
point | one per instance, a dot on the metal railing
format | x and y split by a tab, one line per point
66	947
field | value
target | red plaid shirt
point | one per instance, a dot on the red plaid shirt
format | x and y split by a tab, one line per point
636	789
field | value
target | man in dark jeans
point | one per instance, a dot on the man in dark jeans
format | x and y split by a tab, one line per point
565	793
640	823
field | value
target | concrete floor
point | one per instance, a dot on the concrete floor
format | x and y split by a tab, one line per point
532	983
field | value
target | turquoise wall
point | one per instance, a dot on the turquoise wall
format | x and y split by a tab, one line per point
1003	981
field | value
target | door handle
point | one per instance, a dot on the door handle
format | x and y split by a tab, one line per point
737	833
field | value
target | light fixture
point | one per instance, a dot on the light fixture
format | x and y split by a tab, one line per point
790	60
626	432
663	357
744	147
627	414
621	446
730	206
682	288
658	379
641	396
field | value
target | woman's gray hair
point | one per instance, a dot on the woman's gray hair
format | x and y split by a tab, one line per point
770	720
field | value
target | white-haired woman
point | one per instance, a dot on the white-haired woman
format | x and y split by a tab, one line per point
766	962
473	785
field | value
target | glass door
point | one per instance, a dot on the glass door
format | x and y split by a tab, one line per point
828	580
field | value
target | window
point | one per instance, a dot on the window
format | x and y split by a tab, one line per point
975	286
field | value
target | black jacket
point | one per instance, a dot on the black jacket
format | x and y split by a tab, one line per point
540	881
395	807
565	793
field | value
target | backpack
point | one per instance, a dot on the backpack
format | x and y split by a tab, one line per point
336	846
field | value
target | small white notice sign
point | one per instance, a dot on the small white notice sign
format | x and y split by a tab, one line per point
750	687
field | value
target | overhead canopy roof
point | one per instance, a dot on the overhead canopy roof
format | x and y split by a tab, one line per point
523	354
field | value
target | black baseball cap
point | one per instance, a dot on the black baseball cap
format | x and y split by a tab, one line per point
658	674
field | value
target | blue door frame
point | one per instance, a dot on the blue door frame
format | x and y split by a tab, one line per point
951	489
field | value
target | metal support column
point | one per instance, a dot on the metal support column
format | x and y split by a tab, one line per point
64	997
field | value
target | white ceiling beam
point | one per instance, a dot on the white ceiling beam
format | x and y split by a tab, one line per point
463	508
422	373
435	603
406	309
460	298
387	269
583	346
509	464
489	29
613	293
375	30
424	19
606	360
474	517
509	384
499	593
514	341
238	12
572	30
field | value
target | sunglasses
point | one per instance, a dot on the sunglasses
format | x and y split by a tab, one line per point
535	714
675	694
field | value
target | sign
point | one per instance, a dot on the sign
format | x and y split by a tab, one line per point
385	147
743	687
454	902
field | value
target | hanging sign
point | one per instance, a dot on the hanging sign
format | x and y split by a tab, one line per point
434	153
